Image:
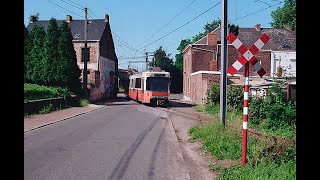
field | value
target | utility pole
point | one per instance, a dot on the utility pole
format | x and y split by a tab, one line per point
146	60
85	73
223	77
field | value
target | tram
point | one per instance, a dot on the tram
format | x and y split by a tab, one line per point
150	87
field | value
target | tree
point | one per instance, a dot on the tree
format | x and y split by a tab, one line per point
34	65
285	16
28	44
162	60
179	57
51	72
209	27
67	66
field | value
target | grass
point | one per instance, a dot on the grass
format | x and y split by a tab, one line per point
265	159
261	171
38	92
83	102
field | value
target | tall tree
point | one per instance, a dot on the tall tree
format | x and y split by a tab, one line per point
162	60
51	75
179	57
285	16
27	52
34	64
68	68
209	27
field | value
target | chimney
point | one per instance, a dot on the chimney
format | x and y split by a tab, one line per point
33	19
258	27
212	39
69	18
106	18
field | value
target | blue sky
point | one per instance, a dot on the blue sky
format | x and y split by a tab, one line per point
139	24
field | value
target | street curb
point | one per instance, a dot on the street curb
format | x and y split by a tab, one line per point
63	119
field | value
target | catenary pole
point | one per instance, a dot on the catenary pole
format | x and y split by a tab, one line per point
85	56
223	77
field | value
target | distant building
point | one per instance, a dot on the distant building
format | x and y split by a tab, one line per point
102	60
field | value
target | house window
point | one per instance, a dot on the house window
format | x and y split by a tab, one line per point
82	54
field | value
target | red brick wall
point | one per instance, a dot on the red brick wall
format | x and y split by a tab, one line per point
202	60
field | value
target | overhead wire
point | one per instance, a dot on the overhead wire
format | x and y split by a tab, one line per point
76	4
167	23
116	36
65	9
256	12
181	25
81	8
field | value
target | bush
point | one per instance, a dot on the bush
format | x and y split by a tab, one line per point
213	95
256	110
36	92
235	97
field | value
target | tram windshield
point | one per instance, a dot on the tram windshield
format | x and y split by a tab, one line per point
159	84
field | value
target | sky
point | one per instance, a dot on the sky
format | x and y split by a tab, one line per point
141	26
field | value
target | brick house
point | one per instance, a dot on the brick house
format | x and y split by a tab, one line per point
102	60
201	60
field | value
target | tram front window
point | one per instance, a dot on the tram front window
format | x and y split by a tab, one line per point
159	84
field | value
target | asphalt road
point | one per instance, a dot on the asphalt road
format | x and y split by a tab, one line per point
124	140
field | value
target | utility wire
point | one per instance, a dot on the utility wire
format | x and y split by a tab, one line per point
72	5
181	26
97	25
65	8
255	12
119	39
76	4
262	2
167	23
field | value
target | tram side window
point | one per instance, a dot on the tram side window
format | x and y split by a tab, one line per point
148	84
138	83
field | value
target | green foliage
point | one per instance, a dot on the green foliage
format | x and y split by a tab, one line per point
51	72
257	111
213	95
179	61
69	70
284	171
34	59
162	60
285	16
265	160
83	102
36	92
224	143
47	109
209	27
274	111
234	97
50	58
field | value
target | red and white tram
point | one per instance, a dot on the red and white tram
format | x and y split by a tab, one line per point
152	87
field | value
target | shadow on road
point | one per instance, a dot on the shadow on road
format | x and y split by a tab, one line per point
174	103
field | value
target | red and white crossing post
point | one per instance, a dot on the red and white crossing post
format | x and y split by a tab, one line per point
247	56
